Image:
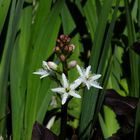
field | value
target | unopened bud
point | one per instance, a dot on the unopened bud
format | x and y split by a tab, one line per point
62	57
62	37
58	40
71	47
61	44
65	38
52	65
66	48
57	49
72	64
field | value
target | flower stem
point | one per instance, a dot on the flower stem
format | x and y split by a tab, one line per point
63	127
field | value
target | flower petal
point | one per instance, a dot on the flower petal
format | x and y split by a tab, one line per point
65	81
95	77
64	98
88	85
72	93
75	84
96	85
45	65
41	72
45	75
87	71
58	90
79	70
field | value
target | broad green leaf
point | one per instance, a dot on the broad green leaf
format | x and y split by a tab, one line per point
43	45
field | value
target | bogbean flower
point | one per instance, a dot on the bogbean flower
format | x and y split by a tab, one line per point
46	69
87	78
67	89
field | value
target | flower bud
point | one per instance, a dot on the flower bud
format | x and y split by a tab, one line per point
57	49
71	47
62	37
66	48
52	65
62	57
58	40
72	64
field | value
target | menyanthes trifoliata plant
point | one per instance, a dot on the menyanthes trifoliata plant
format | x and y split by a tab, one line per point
59	73
63	50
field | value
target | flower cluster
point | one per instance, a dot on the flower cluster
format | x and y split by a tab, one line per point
63	51
67	89
47	69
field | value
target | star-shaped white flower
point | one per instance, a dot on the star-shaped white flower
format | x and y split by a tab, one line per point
87	78
67	89
45	71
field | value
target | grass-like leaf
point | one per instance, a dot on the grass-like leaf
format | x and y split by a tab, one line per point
43	48
5	62
4	6
18	86
90	97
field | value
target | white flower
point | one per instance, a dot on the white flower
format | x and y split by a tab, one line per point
67	89
45	71
87	78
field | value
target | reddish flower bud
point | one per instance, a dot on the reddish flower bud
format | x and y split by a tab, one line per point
66	48
57	49
62	57
72	64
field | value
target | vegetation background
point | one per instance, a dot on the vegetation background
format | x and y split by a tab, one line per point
106	34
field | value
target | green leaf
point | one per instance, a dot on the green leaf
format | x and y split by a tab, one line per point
90	10
134	58
5	62
17	84
43	45
4	6
91	96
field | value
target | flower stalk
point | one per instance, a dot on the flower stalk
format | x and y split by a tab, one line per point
65	89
